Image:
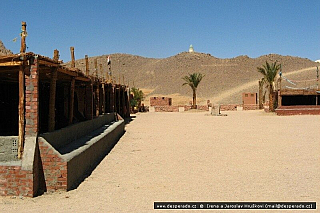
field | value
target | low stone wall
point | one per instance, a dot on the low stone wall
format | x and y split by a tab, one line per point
235	107
175	108
166	108
228	107
250	106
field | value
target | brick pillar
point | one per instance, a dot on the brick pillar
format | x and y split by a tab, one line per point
32	99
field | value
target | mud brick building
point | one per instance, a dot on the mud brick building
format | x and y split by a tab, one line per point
56	122
249	101
160	101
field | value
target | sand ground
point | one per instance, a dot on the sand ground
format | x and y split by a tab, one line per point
245	156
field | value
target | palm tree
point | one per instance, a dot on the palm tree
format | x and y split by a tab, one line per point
193	81
269	72
138	96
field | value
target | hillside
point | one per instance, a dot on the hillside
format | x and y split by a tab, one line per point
3	50
224	82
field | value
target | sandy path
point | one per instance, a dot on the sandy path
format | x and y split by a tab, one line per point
245	156
240	89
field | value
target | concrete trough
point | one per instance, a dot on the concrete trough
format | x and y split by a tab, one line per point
70	154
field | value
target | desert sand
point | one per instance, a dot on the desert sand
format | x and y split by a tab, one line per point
245	156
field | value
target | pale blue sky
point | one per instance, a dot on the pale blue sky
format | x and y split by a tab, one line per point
159	29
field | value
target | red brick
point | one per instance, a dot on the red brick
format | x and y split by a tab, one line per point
50	152
21	176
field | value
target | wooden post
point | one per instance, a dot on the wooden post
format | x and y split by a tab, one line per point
56	55
87	65
21	106
97	88
23	37
96	66
52	99
317	86
97	99
123	101
114	98
279	92
21	110
119	99
101	72
109	68
103	100
73	62
72	86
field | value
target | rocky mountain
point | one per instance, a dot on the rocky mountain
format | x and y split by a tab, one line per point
3	50
224	81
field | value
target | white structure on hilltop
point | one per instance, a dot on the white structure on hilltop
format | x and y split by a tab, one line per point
191	50
318	61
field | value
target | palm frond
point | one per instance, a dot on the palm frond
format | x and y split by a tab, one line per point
269	72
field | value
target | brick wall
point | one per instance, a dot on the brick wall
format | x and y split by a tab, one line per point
249	98
31	100
16	182
250	106
166	109
229	107
176	108
54	167
160	101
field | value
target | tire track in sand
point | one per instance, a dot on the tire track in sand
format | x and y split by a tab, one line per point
218	99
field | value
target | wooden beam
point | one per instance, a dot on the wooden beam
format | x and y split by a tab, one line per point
21	111
21	106
67	72
81	78
103	98
48	63
10	63
288	92
72	86
52	100
97	95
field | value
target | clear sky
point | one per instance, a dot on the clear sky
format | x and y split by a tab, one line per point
163	28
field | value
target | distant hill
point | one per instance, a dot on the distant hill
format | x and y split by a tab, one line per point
3	50
224	82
